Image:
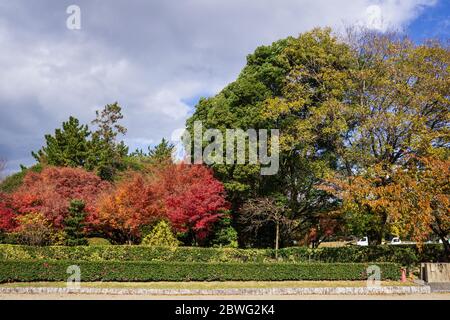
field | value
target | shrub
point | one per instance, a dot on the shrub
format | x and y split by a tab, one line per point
137	253
224	235
163	271
98	241
405	255
35	230
161	236
14	181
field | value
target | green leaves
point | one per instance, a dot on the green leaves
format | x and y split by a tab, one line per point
74	224
68	147
75	146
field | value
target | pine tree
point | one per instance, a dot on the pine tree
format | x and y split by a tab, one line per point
68	147
162	152
107	154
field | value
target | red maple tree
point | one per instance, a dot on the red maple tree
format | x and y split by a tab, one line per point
187	195
7	215
50	192
194	199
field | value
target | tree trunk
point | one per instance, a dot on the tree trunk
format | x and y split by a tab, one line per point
277	239
446	247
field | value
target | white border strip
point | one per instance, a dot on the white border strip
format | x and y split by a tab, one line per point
401	290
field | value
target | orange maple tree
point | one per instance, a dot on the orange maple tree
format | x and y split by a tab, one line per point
412	200
187	195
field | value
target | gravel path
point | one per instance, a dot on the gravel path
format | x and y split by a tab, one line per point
431	296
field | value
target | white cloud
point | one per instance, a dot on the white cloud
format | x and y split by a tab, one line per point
393	14
151	56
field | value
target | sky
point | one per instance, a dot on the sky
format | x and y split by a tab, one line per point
155	57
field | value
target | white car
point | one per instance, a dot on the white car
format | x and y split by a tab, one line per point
396	240
364	242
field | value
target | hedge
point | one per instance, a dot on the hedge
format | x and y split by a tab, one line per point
134	253
402	254
129	271
406	255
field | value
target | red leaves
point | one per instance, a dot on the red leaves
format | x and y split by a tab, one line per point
187	195
193	198
50	192
131	205
7	215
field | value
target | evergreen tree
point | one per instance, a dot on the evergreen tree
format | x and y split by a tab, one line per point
107	155
74	224
68	147
162	152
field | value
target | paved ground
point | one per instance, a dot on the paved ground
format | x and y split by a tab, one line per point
432	296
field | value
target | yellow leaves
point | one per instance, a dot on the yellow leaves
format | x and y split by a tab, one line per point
274	108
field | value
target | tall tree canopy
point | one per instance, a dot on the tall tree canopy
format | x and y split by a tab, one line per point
343	107
76	146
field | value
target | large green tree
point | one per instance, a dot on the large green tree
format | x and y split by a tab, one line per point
297	85
68	147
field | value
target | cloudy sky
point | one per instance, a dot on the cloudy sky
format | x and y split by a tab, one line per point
155	57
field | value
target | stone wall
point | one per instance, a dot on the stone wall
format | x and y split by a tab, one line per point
435	272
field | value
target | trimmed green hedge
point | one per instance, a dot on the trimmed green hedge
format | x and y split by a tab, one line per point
133	253
405	255
166	271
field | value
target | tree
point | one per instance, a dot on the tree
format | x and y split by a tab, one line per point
194	200
298	85
419	200
68	147
75	146
412	200
50	191
107	155
74	224
261	212
162	152
134	203
400	100
107	123
8	221
161	236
